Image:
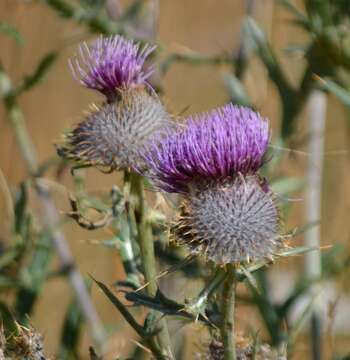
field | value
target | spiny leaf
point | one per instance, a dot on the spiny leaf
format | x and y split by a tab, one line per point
164	305
121	308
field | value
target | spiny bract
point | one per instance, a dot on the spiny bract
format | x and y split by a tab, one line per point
232	222
113	135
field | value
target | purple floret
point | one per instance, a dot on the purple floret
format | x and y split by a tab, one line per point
210	146
111	63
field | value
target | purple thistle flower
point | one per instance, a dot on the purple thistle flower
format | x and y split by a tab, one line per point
228	212
112	63
213	145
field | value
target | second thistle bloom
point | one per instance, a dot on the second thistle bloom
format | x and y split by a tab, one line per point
112	63
228	212
113	133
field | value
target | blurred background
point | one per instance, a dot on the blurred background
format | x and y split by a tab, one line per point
206	38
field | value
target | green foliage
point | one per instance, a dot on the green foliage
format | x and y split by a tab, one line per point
121	307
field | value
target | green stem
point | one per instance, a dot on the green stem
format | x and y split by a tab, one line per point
128	235
145	239
24	143
228	309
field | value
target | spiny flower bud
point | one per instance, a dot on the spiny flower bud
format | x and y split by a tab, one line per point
113	135
245	350
112	63
228	212
233	222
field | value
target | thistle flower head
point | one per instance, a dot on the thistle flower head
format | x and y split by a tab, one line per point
230	222
214	145
113	135
228	212
111	63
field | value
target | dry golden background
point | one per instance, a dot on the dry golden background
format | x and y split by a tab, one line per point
206	26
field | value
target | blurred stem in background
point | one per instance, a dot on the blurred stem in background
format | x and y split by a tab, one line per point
313	196
50	213
242	54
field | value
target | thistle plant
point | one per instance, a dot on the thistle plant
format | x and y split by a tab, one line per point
112	134
228	218
228	214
